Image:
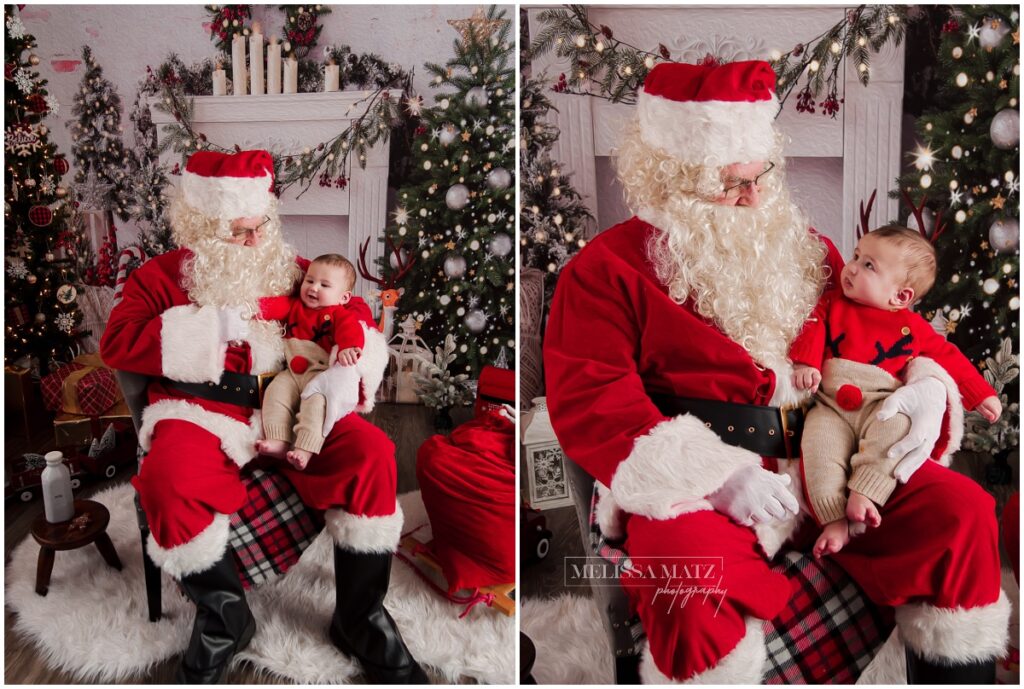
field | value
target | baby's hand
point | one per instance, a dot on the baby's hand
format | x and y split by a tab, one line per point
990	408
806	377
349	357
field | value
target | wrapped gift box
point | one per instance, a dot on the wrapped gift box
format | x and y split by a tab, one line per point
83	387
21	396
75	430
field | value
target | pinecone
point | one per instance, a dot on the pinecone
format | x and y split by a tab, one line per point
305	21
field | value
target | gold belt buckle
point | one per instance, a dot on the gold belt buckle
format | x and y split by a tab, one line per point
262	382
786	433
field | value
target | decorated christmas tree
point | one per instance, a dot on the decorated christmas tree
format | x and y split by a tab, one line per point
100	158
965	176
552	216
41	299
455	215
965	173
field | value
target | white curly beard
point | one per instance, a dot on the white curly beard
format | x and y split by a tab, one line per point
755	272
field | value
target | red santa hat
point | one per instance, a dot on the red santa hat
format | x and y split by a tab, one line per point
229	185
710	114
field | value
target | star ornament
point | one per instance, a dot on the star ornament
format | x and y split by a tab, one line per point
466	136
478	25
998	201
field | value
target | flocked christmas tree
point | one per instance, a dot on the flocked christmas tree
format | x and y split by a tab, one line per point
552	216
455	215
41	295
100	157
965	173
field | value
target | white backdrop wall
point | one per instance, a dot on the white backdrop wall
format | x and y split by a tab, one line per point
125	39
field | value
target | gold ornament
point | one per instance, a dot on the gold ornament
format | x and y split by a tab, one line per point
478	25
61	192
33	59
465	136
998	201
1016	37
450	245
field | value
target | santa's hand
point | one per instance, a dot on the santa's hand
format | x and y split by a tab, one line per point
233	326
924	401
753	495
340	387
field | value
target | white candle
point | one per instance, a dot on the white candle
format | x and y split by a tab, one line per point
274	67
220	81
332	77
256	60
291	75
238	64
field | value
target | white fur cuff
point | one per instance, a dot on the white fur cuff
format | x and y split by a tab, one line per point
924	367
371	365
190	346
610	517
237	440
672	469
956	635
365	534
196	555
744	664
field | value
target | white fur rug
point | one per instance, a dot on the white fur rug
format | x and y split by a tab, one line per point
572	647
94	625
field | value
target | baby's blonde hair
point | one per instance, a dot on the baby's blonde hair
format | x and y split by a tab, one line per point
918	256
339	261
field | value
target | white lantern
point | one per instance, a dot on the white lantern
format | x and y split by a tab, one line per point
408	355
547	481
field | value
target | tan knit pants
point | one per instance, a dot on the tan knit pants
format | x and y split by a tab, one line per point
838	443
283	398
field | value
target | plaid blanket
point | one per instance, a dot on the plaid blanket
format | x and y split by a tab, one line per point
270	532
827	633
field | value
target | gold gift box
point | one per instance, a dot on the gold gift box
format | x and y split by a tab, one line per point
72	430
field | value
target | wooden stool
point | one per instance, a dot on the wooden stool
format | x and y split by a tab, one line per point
503	600
89	525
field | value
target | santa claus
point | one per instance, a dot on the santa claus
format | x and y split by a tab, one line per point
668	381
185	320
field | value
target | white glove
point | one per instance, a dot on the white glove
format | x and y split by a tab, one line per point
232	325
924	401
340	387
753	495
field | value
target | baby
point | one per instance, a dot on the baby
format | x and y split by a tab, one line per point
866	335
315	323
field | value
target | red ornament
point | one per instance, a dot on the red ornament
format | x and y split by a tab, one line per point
61	166
849	397
37	103
40	216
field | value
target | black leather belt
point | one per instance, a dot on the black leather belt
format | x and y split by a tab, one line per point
233	388
766	431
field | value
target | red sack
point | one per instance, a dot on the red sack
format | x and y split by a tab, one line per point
52	386
468	483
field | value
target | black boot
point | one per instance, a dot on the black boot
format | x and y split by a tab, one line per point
224	624
361	628
921	671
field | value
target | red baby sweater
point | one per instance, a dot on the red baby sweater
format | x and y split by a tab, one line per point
842	328
331	325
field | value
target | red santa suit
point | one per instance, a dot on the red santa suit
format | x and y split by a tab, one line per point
189	481
613	339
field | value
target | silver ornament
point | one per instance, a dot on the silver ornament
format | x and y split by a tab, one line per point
929	221
476	321
393	261
457	197
448	134
499	178
1004	234
1005	129
501	244
476	97
454	266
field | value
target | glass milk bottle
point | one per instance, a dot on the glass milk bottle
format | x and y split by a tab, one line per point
58	503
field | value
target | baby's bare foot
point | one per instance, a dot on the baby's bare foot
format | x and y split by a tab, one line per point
272	448
299	458
833	537
860	508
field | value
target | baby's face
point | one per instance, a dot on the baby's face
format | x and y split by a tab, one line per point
876	275
324	285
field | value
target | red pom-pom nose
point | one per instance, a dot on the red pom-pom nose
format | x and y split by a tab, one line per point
299	364
849	397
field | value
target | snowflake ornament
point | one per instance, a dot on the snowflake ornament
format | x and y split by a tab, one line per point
23	81
17	269
65	322
15	29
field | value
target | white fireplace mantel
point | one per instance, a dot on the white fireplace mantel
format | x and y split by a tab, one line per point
286	124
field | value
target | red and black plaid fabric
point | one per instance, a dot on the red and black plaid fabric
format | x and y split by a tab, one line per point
97	391
827	633
52	386
272	530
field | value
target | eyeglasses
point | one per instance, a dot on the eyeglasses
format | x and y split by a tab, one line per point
743	185
243	232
